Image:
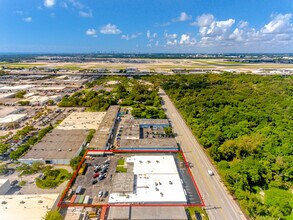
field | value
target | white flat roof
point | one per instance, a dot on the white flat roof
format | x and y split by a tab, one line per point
33	207
3	181
16	87
82	120
5	95
12	118
157	181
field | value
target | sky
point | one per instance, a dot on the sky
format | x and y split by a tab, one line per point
146	26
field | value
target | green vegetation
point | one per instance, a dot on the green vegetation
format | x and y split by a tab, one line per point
26	169
120	166
245	124
30	142
53	178
3	148
198	211
75	161
121	162
20	94
22	183
143	98
53	215
23	132
168	130
121	169
180	156
90	135
44	131
3	169
24	103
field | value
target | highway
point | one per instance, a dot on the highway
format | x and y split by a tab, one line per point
219	204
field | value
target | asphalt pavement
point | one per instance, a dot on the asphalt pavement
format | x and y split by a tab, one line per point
219	204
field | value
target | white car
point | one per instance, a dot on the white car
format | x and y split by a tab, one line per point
210	172
100	194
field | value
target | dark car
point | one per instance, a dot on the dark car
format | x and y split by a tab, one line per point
94	181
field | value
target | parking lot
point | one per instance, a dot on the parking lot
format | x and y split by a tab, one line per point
101	184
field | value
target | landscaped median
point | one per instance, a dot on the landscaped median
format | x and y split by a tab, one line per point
121	166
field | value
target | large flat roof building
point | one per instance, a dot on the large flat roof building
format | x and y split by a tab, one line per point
32	207
156	181
147	213
105	131
12	118
57	147
133	138
82	120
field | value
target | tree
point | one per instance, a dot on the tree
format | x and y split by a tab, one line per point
20	94
53	215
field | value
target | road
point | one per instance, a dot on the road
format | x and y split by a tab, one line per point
218	203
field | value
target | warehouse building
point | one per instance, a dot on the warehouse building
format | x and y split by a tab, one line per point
147	213
105	130
4	186
57	147
32	207
82	120
156	180
12	118
146	134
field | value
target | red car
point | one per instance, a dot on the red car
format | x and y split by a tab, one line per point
96	175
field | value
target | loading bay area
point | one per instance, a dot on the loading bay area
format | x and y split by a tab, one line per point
111	178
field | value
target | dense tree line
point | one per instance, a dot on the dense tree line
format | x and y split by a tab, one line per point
143	98
245	123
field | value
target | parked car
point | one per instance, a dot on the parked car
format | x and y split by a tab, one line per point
100	194
96	175
94	181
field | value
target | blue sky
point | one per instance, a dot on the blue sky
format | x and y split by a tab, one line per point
197	26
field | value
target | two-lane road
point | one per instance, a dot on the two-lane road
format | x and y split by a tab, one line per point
218	203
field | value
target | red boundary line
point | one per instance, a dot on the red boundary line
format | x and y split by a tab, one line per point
60	204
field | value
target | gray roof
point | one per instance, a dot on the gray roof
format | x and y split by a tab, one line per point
59	144
147	213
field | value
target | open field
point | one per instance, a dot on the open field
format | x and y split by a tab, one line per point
157	65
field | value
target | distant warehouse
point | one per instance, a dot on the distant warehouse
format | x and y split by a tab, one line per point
57	147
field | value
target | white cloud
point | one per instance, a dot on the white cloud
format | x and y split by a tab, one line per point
19	12
171	42
110	29
279	24
187	40
28	19
77	4
182	17
91	32
204	20
130	37
49	3
148	34
242	24
85	14
170	36
157	43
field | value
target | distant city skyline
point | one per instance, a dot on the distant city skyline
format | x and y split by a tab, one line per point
140	26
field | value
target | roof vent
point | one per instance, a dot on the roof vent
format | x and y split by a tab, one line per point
3	202
59	149
22	202
40	201
69	149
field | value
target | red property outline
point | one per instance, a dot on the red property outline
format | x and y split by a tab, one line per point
60	204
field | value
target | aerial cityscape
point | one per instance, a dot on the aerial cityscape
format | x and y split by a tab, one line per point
146	110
